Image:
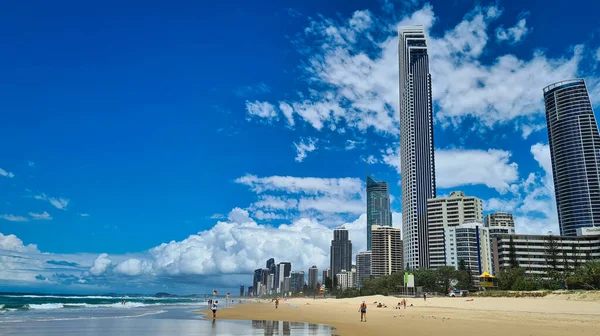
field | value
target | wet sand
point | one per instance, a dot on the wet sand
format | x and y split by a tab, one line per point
548	316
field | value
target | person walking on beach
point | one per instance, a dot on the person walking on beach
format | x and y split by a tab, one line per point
214	309
276	303
363	311
404	303
425	297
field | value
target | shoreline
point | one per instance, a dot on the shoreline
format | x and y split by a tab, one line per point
553	316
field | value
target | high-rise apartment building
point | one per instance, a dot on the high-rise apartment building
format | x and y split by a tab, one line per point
241	291
341	251
417	162
256	280
270	263
499	223
297	282
378	206
574	148
386	255
346	279
363	267
313	277
326	274
445	212
284	270
469	243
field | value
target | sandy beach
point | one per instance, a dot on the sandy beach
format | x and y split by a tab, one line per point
551	315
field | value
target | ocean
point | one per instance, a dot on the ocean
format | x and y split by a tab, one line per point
103	315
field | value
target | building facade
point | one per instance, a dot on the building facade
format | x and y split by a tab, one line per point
346	279
256	280
284	270
326	274
341	251
378	206
241	291
363	267
386	255
469	243
286	285
313	277
416	142
500	223
574	147
445	212
297	282
538	254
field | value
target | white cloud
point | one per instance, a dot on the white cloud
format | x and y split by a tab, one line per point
31	163
261	109
14	218
269	202
217	216
459	167
133	267
306	145
84	215
58	202
598	54
12	243
261	215
101	264
350	82
304	185
6	173
492	168
513	34
40	216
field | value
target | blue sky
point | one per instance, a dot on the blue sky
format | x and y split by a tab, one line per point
154	146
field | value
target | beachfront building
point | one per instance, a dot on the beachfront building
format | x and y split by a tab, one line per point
470	243
386	253
500	223
378	206
363	267
341	251
286	285
446	212
284	270
346	279
313	277
326	274
241	291
417	164
574	146
297	282
270	283
256	279
538	254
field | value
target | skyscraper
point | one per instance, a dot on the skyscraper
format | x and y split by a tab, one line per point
241	291
574	148
387	251
297	281
416	142
469	243
257	278
313	277
378	206
283	271
270	263
341	251
499	223
363	267
444	212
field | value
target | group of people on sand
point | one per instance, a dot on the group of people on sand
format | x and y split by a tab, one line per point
401	304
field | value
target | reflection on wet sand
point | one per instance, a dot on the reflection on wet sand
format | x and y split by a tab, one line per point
272	328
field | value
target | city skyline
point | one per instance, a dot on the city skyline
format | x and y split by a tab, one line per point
136	161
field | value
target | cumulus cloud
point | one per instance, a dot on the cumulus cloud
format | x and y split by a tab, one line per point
12	243
101	264
457	167
58	202
40	216
513	34
261	110
6	173
14	218
133	267
304	146
492	168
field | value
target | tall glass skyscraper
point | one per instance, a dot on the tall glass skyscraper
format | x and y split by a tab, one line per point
416	143
378	206
341	252
575	151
